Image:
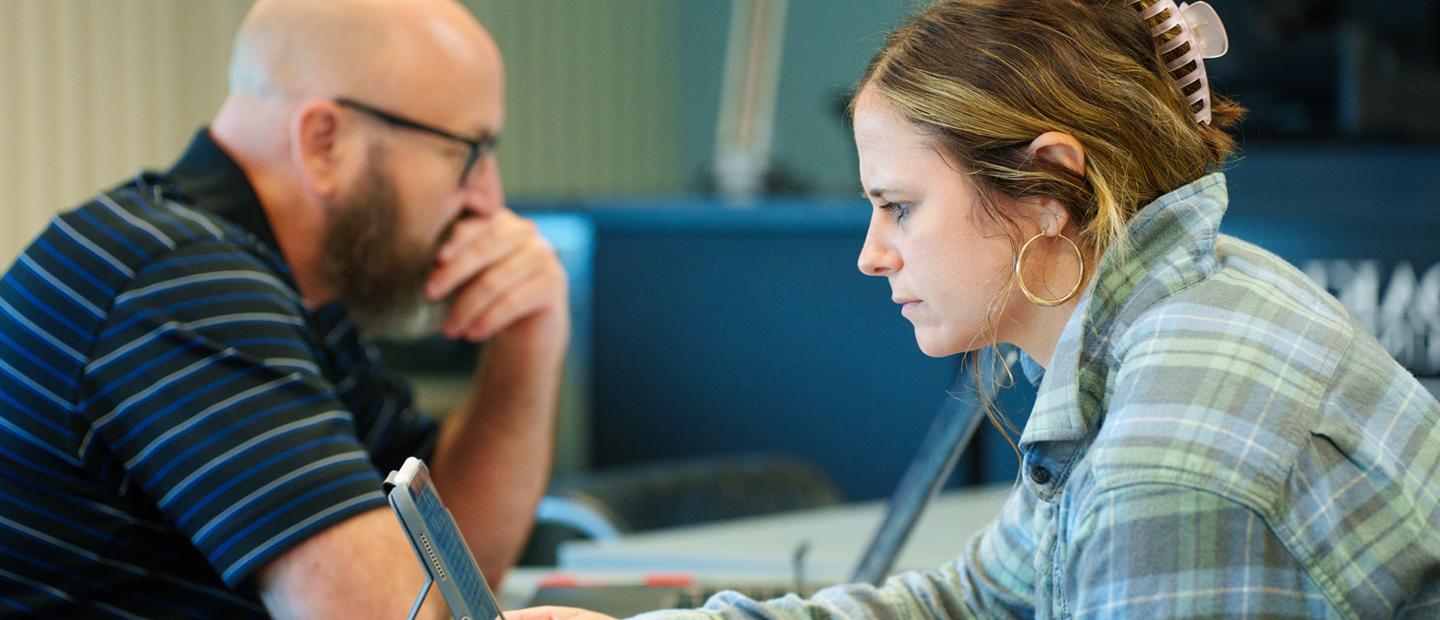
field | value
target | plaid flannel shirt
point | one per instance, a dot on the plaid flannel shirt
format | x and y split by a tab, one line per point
1215	437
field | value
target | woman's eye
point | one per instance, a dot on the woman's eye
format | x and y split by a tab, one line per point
897	209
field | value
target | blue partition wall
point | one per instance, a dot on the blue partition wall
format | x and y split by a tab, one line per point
720	331
1366	223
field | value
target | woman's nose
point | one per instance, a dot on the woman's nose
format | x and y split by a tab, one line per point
876	258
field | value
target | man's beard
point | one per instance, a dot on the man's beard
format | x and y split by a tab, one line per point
379	274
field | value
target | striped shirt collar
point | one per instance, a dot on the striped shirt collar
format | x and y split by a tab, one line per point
209	180
1170	244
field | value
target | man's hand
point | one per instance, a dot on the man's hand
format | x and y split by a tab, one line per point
493	455
555	613
505	279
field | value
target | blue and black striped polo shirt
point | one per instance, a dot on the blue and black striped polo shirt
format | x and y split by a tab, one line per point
172	415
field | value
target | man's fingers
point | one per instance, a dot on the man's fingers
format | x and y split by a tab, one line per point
514	304
474	246
479	294
466	231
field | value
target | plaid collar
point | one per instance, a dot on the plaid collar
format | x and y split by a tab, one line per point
1169	245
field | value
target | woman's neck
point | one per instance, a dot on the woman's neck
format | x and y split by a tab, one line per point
1041	330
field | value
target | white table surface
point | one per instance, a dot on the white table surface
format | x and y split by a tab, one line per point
763	547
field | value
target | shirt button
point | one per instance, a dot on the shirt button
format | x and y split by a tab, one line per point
1039	475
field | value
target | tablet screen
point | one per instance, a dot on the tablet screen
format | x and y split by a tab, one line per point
446	555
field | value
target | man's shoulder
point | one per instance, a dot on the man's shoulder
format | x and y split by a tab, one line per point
134	228
149	221
119	246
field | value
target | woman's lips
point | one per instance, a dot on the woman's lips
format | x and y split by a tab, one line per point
906	305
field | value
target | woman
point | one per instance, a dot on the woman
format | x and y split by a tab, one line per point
1213	435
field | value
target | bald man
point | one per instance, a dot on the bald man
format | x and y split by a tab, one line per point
191	424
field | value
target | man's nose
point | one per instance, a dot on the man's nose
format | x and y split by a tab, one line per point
484	194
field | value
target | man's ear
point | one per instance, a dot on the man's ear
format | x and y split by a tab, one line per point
315	146
1060	148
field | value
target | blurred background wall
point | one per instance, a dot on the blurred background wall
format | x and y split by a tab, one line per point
611	97
712	329
92	90
620	97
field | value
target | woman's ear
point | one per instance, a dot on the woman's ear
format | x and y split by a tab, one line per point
314	146
1065	150
1059	148
1050	217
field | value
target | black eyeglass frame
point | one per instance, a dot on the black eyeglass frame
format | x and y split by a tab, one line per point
477	148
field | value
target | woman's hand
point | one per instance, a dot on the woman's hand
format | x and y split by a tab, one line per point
555	613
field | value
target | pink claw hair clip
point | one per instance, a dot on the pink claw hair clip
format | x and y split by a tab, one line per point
1200	27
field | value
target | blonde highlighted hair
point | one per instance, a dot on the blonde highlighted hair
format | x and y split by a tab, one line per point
986	77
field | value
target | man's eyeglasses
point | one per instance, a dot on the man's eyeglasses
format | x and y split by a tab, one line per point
477	147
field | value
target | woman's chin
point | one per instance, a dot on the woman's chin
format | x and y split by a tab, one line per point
935	342
932	346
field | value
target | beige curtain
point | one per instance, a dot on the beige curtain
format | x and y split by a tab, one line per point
593	95
93	90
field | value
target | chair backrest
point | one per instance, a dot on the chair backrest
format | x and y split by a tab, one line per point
616	501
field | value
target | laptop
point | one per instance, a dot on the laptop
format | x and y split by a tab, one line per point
952	430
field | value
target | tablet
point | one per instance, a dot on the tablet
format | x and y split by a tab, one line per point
438	544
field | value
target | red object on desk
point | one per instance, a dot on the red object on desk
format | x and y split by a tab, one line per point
652	580
557	580
669	580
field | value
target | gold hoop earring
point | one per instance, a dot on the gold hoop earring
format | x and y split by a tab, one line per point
1036	299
